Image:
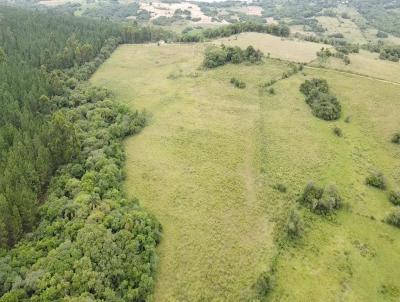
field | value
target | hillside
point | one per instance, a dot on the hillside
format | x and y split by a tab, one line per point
208	163
199	151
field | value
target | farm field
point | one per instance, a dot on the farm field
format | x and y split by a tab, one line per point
277	47
207	163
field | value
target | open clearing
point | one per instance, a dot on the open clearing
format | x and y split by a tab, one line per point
195	167
206	163
277	47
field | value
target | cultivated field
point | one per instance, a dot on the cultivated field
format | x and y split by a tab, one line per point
277	47
206	165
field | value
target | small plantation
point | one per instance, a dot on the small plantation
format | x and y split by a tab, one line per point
321	201
217	56
323	105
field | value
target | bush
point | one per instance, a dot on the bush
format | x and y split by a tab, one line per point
323	105
238	83
271	91
214	57
394	197
294	225
264	284
396	138
280	187
377	180
394	217
319	200
338	132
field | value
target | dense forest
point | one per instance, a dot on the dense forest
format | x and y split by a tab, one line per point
70	229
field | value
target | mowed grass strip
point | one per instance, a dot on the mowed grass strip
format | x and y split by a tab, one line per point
195	167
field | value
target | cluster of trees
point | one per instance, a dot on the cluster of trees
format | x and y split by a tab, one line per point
325	53
215	56
323	104
321	201
386	52
61	169
281	30
390	52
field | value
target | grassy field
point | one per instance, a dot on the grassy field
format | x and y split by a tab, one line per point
365	63
352	257
348	28
277	47
195	167
206	165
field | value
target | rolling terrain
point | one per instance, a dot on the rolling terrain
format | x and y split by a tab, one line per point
207	164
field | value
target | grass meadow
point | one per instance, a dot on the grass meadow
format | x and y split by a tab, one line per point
277	47
206	165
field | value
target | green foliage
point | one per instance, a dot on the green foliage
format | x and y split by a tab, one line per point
381	34
280	187
394	217
390	52
322	201
396	138
238	83
91	244
294	225
215	56
376	179
337	131
394	197
323	104
264	284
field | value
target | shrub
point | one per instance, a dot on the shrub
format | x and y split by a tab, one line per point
214	57
394	217
394	197
238	83
264	284
319	200
280	187
271	91
338	132
377	180
396	138
294	225
347	119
